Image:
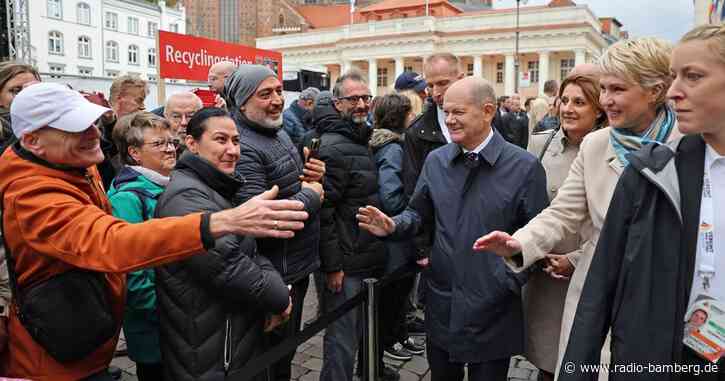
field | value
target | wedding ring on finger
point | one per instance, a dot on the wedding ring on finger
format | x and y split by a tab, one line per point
276	225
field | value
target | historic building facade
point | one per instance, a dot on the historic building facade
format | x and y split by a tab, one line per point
100	38
553	39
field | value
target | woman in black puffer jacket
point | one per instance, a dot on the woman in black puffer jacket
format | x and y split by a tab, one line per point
213	307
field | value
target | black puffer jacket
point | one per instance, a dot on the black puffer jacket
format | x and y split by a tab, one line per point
351	182
212	307
268	157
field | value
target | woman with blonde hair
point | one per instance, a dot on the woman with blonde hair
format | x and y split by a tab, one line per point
546	290
657	260
635	76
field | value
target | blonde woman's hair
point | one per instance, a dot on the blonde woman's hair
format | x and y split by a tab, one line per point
643	61
416	104
123	83
539	109
714	34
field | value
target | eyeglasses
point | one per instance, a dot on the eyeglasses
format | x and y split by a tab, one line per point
179	117
357	98
161	144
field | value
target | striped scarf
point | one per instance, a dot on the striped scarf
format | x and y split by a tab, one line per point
625	141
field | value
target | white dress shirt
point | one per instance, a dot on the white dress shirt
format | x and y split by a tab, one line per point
442	123
716	164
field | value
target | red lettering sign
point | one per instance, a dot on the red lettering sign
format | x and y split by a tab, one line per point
189	57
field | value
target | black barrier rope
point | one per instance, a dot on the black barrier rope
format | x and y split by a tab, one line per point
259	364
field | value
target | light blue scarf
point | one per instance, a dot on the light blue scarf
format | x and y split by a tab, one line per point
625	141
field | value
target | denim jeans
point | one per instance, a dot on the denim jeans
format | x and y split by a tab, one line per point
342	337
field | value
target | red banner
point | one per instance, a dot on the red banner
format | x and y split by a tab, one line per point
189	57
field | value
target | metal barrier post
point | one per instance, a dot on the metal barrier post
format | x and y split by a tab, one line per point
369	362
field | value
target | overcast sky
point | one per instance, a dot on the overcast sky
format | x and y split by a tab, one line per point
669	19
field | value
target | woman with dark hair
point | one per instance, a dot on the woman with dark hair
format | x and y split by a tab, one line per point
546	291
214	308
13	78
392	115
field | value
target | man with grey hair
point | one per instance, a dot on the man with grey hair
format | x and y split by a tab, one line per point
179	109
294	115
268	157
348	255
473	313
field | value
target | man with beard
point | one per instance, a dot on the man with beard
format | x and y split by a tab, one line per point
268	158
348	254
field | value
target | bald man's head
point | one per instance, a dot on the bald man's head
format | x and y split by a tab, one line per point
469	105
218	73
587	69
179	109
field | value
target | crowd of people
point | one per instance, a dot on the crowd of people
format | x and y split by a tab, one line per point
578	227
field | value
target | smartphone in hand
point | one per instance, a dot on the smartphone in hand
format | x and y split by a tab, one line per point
314	147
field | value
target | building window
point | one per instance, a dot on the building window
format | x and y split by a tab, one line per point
112	73
280	20
111	21
133	55
566	66
152	57
534	71
55	9
499	72
112	51
85	71
469	70
84	47
132	25
382	77
152	28
83	13
407	68
56	69
55	43
174	28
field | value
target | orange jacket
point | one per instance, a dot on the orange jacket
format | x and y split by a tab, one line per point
55	220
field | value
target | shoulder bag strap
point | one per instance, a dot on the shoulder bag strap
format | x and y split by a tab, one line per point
548	143
12	275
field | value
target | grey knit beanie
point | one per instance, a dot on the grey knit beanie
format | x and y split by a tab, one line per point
243	82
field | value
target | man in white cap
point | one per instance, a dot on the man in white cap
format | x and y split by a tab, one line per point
68	255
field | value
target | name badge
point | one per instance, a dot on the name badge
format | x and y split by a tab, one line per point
705	328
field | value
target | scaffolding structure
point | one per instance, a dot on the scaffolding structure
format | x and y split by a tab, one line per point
18	27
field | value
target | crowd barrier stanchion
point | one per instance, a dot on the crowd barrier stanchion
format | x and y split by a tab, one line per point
369	362
368	297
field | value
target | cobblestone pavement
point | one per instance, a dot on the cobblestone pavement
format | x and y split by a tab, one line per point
307	363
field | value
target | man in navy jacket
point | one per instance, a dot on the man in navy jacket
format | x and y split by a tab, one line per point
476	184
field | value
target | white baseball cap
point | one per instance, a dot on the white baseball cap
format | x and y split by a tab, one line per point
52	105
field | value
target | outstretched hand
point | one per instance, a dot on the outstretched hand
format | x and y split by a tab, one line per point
374	221
499	243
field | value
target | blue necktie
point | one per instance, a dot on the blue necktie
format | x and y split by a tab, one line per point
471	160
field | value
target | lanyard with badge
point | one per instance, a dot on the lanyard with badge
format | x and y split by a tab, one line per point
705	318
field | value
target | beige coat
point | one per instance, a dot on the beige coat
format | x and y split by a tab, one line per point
579	208
543	295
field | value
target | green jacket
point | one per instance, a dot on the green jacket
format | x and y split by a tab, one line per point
140	321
